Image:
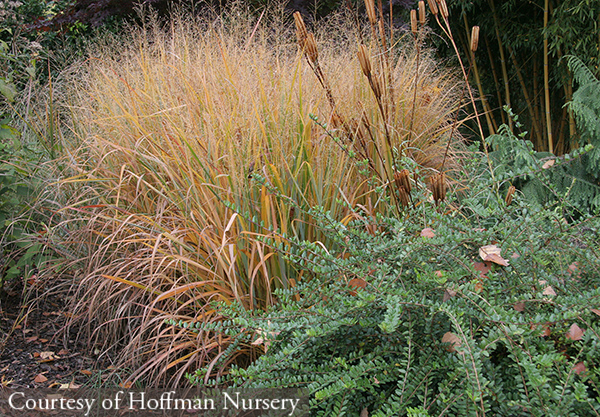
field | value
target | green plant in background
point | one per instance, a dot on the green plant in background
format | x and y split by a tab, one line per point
572	177
479	306
518	63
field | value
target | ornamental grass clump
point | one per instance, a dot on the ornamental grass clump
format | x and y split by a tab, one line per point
200	139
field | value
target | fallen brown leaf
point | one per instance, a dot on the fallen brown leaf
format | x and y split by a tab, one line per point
70	385
47	355
40	378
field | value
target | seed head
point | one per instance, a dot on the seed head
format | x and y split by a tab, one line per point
402	180
376	86
438	186
404	197
443	8
509	195
413	21
433	6
301	32
365	63
311	48
474	38
422	12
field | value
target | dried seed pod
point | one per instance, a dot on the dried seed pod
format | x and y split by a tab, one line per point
402	179
301	32
403	197
370	4
438	186
413	21
365	63
433	6
376	86
311	48
443	9
474	38
422	12
509	195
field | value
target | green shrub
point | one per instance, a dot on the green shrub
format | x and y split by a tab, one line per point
407	318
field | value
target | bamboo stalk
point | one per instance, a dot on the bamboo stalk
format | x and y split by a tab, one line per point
537	103
495	76
486	107
534	121
547	80
572	126
502	63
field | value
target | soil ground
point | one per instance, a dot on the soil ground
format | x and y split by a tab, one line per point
35	349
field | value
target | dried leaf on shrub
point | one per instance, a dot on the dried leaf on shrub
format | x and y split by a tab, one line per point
482	267
579	368
575	270
549	291
575	332
548	163
264	338
356	283
520	306
452	339
545	326
427	232
492	253
448	294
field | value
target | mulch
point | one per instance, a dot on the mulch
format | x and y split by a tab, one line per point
35	349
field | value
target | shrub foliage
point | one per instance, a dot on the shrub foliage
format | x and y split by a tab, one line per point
407	318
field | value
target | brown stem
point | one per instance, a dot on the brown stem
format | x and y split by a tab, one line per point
536	98
547	80
496	82
486	107
502	63
534	121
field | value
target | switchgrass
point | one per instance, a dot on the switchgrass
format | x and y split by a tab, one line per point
189	137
